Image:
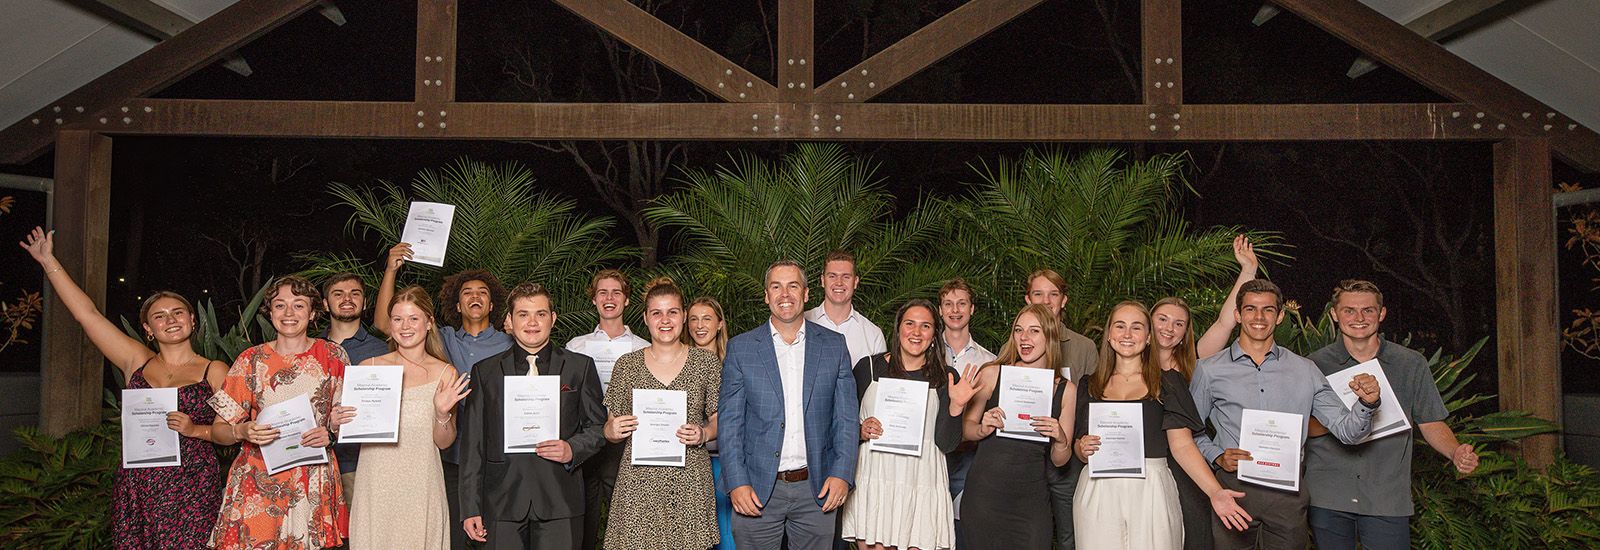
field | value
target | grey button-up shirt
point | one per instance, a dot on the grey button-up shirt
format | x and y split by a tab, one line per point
1229	382
1373	478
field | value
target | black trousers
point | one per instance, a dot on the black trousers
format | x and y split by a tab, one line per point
599	481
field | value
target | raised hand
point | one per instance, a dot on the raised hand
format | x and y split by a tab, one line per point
451	390
1245	253
40	245
961	392
398	255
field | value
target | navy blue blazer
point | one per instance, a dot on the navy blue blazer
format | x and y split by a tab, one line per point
750	419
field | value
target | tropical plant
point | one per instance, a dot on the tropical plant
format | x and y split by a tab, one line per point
503	224
735	220
56	492
1111	227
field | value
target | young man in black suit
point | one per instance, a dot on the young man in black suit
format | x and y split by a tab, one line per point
529	500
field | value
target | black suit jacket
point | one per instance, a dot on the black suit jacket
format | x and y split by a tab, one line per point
502	487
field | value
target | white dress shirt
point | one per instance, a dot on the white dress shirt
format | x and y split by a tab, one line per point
860	335
972	354
792	374
578	343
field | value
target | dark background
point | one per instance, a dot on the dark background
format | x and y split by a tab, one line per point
1414	217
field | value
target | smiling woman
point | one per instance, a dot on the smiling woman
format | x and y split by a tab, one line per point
301	506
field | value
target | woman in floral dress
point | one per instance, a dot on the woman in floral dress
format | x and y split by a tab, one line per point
301	507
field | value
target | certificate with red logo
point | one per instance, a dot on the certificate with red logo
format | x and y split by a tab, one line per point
147	442
1273	440
1024	394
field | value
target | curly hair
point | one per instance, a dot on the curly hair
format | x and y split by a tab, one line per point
298	286
450	295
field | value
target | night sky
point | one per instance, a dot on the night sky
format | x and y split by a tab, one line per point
171	194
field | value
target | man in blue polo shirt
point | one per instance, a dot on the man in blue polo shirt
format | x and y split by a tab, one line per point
1361	494
345	298
466	304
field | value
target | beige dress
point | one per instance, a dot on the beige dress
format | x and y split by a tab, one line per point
663	507
399	497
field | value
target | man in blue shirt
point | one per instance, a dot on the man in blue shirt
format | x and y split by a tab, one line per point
1256	373
466	301
345	298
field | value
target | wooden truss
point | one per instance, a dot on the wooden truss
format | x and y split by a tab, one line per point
797	106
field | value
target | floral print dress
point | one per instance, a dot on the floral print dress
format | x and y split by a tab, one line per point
299	508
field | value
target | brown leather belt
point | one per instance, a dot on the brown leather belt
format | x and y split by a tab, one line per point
792	476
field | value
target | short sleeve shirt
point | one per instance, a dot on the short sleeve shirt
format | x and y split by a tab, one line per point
1373	478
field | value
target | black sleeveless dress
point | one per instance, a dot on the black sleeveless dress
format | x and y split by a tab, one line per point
1007	498
172	507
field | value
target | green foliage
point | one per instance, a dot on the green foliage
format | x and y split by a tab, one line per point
1111	227
503	224
56	493
736	220
1505	504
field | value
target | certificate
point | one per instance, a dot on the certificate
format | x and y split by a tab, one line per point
605	356
901	406
533	412
1024	394
147	442
1121	430
428	231
291	418
660	414
1273	440
1390	417
374	390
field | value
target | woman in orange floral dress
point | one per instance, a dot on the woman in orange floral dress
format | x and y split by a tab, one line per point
298	508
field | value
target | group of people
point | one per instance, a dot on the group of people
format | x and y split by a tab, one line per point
780	420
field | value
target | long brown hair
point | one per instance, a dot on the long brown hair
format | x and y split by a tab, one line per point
431	343
1184	354
933	357
1052	337
1151	366
719	344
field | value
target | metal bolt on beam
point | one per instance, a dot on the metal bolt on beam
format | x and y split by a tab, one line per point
126	120
102	120
441	125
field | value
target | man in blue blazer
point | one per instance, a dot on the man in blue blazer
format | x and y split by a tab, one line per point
788	423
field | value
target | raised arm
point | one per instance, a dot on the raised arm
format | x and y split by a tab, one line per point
1216	337
125	352
391	268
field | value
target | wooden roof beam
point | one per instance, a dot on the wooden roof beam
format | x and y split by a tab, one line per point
1445	73
804	121
923	48
673	49
151	71
1439	23
796	49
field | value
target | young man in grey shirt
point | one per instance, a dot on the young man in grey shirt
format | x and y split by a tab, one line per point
1256	373
1361	494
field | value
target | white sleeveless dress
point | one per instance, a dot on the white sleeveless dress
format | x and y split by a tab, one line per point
901	501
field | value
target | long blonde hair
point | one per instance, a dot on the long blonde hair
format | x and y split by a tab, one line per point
1151	370
719	344
1184	354
431	344
1052	337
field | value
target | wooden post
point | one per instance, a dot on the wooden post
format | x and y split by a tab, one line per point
1527	331
70	383
796	60
1161	46
436	51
